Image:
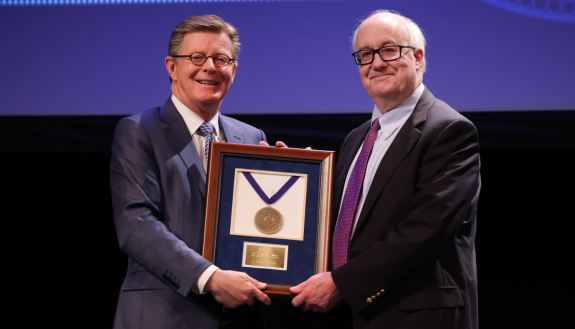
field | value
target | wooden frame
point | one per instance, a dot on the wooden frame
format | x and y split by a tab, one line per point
321	161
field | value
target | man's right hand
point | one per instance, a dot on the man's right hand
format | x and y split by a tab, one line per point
233	289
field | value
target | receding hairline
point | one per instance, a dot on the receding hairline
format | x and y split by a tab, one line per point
372	16
413	32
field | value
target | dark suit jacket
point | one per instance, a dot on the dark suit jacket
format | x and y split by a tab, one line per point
415	236
158	192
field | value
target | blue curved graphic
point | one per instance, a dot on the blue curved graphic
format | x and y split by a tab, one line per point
555	10
118	2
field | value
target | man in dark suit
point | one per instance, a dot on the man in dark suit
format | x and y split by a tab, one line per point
158	181
405	196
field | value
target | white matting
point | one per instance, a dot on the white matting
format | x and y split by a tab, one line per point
247	203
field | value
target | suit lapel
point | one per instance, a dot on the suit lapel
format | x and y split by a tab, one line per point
355	141
406	138
231	135
180	137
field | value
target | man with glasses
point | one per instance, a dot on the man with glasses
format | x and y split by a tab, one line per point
158	181
406	186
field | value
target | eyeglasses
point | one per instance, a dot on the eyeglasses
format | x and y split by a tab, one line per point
199	59
387	53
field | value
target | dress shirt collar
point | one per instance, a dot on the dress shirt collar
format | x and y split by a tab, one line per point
396	117
192	120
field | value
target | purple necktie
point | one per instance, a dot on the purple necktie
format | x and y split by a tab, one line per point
347	213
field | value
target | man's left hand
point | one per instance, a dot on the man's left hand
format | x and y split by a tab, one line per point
278	144
318	293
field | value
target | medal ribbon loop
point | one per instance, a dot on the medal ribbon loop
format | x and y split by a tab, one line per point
276	196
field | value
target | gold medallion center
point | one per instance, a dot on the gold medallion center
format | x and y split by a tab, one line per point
268	220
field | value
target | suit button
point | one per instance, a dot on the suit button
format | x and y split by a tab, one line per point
378	294
373	297
382	291
368	300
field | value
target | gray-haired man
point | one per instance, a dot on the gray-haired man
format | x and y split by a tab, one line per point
405	197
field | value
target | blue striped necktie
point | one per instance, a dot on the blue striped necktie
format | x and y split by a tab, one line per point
207	130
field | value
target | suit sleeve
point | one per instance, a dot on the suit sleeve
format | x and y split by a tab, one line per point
263	138
138	211
448	182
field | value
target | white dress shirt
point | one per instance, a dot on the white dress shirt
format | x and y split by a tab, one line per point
193	122
390	123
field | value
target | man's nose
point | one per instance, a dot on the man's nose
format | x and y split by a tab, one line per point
378	62
209	64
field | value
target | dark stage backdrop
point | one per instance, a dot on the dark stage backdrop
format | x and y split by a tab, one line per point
64	266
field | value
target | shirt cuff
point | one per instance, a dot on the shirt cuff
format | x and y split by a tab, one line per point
198	286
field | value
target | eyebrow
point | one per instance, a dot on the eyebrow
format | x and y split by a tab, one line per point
386	43
205	53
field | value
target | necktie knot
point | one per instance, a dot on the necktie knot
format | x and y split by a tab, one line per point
375	125
206	129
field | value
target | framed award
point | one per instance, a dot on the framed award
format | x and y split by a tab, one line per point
268	212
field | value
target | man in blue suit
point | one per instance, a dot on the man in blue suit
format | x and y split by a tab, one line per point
158	180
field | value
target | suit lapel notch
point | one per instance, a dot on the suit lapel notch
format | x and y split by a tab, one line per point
180	137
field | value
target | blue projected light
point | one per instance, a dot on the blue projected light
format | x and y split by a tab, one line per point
556	10
124	2
81	57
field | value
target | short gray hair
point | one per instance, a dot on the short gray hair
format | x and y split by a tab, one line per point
415	34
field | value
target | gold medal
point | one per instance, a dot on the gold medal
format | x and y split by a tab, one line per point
268	220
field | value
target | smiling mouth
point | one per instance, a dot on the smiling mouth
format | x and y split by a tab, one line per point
381	76
203	82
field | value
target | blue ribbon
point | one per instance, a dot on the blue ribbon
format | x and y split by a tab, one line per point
276	196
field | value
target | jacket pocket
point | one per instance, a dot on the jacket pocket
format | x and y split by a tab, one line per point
440	297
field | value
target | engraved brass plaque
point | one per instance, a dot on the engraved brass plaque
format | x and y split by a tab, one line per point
265	256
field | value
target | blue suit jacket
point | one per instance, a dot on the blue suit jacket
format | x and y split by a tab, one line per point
158	193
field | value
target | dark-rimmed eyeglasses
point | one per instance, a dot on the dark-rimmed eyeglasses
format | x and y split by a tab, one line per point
387	53
199	59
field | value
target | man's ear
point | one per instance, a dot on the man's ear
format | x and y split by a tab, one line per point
418	55
171	67
234	70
